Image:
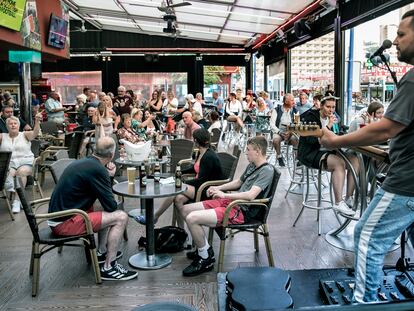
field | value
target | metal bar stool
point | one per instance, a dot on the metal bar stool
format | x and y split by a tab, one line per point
315	203
298	174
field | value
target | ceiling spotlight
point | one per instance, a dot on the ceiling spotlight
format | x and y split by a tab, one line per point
247	57
280	33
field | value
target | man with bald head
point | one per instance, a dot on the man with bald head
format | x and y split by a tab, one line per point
190	125
81	184
282	116
54	109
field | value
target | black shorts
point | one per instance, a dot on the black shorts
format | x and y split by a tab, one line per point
315	159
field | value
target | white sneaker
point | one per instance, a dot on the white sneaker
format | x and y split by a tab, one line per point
343	208
16	207
350	201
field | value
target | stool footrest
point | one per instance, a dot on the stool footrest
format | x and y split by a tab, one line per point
307	205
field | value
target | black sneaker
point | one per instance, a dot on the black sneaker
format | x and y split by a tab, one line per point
200	265
102	257
194	254
117	273
281	162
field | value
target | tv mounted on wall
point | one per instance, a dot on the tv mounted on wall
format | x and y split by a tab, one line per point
58	28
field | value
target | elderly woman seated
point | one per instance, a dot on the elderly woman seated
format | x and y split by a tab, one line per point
22	157
126	132
207	167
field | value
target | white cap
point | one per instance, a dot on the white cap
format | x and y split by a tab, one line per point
190	97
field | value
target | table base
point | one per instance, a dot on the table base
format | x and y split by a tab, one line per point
345	239
153	262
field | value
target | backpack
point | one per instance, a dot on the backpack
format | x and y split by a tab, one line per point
168	239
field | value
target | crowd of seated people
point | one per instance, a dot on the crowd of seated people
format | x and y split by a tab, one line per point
135	119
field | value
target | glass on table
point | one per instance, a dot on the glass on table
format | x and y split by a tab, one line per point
131	175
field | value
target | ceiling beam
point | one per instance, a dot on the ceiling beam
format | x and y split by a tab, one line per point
242	6
142	18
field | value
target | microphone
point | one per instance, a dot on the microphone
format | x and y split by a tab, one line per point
385	45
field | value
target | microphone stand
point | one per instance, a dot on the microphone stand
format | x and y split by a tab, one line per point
392	73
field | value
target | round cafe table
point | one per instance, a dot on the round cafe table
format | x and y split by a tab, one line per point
148	260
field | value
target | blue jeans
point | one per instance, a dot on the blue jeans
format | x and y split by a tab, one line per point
386	217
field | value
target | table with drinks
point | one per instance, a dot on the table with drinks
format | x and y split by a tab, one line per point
147	188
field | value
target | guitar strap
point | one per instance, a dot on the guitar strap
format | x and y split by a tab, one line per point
256	169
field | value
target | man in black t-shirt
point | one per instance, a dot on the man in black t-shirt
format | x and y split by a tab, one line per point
81	184
391	210
7	112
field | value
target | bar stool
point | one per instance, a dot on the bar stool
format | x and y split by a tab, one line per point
298	173
315	203
230	132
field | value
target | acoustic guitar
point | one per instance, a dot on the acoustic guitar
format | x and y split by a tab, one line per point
305	129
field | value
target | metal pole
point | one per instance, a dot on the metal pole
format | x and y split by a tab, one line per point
350	74
25	92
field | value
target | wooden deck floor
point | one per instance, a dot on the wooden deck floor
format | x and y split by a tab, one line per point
67	282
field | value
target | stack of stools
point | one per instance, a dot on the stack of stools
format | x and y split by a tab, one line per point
315	203
258	288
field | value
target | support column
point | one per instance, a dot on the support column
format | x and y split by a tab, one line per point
249	74
25	92
288	72
199	74
339	64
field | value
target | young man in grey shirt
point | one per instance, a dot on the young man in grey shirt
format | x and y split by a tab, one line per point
391	210
254	183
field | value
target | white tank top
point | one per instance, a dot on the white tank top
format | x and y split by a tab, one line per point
19	146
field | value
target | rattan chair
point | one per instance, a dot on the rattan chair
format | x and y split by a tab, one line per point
255	226
180	149
44	240
57	168
4	171
215	138
228	166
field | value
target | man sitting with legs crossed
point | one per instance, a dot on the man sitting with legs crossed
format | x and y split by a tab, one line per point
253	184
81	184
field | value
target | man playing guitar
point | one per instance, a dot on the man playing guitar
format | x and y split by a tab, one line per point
391	210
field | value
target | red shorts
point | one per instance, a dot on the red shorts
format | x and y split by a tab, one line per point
76	225
219	205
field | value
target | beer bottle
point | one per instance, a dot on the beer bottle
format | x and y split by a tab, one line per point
178	181
157	172
142	176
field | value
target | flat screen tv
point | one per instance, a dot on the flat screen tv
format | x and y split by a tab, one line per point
58	28
11	14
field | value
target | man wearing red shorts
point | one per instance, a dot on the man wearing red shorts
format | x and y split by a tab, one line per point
254	183
81	184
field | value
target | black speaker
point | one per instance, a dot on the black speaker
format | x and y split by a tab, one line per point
302	28
151	58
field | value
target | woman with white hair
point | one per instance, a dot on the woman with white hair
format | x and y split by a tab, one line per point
22	156
197	105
